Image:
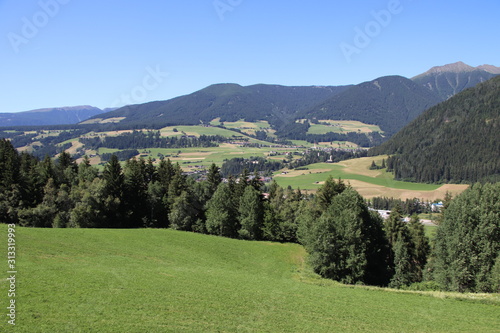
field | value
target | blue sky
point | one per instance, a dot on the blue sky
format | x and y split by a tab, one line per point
115	52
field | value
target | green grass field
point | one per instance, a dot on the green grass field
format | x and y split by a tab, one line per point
246	126
342	126
312	179
88	280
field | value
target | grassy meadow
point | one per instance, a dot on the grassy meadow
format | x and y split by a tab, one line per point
90	280
369	183
342	126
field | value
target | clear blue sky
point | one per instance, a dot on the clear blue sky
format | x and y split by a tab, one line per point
101	53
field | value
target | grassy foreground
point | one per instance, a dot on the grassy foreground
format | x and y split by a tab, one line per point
84	280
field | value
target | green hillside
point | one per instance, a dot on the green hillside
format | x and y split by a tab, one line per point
390	102
455	141
90	280
229	102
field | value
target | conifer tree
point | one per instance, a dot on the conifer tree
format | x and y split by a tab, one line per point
328	191
467	242
113	193
421	245
182	215
222	215
165	173
251	214
403	268
135	193
214	178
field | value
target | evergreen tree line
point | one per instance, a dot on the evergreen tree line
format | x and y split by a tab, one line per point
408	206
140	140
236	166
345	240
123	155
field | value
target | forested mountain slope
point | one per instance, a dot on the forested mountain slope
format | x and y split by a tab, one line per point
455	141
390	102
230	102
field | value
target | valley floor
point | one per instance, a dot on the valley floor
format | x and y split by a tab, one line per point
369	183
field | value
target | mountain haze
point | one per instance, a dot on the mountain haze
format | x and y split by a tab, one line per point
49	116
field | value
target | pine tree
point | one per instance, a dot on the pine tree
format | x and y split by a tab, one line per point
222	215
165	173
86	172
66	169
112	206
214	178
251	214
9	165
182	214
113	178
328	191
403	269
135	193
157	207
256	183
467	242
421	245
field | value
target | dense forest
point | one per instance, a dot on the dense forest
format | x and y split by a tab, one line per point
457	141
151	139
390	102
345	240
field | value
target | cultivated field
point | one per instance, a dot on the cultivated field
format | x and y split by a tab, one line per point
88	280
246	126
369	183
342	126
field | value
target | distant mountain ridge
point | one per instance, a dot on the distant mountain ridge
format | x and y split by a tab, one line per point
230	102
449	80
49	116
390	102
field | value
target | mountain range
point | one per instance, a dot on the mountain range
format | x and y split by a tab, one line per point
50	116
390	102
